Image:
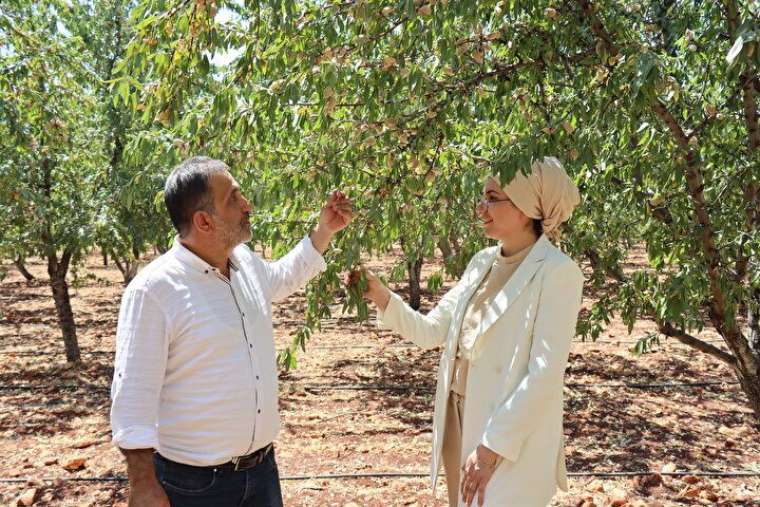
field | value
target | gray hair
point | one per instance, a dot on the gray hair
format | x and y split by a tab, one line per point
187	190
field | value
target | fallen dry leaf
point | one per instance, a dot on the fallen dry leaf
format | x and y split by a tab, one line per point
690	492
83	444
27	498
648	481
618	498
75	464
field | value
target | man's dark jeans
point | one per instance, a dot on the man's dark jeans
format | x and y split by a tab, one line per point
189	486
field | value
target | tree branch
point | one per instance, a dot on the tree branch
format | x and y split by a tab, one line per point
718	303
751	192
669	330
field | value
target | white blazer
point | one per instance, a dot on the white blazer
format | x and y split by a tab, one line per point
514	399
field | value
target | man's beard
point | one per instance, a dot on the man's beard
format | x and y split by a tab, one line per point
231	234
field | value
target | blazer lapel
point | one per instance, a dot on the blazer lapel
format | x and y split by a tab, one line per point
517	282
474	279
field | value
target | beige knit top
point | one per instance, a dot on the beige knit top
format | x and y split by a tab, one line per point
501	271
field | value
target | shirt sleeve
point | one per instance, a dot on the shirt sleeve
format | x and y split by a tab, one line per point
142	345
553	331
291	272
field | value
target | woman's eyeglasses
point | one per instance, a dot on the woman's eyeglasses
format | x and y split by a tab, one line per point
486	203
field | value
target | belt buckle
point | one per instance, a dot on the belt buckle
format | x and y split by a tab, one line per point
258	457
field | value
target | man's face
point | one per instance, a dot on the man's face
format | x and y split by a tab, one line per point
231	210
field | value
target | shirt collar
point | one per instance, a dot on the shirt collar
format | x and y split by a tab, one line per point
187	257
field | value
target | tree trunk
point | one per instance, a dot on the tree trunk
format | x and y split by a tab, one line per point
414	268
57	271
131	273
613	272
745	359
128	268
105	258
445	247
454	243
753	321
750	384
19	263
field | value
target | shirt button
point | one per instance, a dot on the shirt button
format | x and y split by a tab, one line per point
250	345
259	411
257	377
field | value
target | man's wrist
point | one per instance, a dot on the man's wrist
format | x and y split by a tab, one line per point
140	468
382	297
320	238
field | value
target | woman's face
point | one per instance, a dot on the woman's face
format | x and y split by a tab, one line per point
499	216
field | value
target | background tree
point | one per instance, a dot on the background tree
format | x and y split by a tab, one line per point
128	219
409	104
51	143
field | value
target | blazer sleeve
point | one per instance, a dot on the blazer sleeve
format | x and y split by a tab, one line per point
427	331
554	328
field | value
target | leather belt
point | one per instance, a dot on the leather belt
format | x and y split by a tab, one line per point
248	461
235	464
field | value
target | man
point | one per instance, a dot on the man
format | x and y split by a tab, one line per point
194	394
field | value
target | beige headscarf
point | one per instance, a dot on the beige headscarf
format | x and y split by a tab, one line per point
547	194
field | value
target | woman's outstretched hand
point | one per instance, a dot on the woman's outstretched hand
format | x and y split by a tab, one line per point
375	292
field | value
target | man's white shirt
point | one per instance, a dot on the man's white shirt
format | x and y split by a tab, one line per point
195	374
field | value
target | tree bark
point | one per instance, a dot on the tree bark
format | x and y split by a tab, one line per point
454	243
414	268
127	267
57	271
750	384
614	272
445	248
19	263
721	309
753	321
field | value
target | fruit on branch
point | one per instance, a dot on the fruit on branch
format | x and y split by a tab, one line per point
389	63
276	86
425	10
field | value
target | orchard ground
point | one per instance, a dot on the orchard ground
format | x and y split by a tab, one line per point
54	417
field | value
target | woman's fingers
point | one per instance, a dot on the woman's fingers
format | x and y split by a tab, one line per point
481	492
470	492
353	277
474	484
467	483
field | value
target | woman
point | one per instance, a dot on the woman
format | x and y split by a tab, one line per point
506	329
